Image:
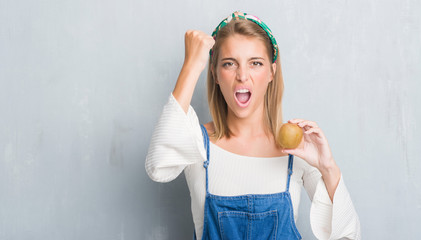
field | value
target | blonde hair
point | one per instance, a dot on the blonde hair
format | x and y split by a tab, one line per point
273	97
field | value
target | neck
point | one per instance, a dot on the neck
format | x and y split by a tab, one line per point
251	126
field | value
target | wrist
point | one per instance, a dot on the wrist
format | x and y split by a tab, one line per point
330	170
193	67
328	166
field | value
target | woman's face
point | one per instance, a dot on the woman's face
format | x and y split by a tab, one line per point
243	72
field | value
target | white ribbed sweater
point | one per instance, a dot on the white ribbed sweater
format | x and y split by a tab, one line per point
177	145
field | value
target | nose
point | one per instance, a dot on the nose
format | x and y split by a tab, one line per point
242	74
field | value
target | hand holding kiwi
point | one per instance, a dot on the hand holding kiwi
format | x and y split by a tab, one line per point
314	149
304	139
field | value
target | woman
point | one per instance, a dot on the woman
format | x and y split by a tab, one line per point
243	185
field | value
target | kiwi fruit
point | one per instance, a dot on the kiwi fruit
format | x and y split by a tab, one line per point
290	135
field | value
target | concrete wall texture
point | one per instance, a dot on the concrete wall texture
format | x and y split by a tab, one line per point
82	84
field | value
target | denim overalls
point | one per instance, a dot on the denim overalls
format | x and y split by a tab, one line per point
251	216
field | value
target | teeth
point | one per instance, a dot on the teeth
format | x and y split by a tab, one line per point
243	91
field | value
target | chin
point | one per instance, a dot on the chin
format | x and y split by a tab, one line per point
242	113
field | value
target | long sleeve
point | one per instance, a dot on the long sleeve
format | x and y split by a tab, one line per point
175	143
337	220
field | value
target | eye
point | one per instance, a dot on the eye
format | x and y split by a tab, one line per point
227	64
257	63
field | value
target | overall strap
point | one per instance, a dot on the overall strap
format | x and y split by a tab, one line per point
206	163
290	161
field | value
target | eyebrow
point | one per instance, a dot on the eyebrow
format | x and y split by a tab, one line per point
233	59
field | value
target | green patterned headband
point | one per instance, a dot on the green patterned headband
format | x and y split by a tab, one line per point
253	19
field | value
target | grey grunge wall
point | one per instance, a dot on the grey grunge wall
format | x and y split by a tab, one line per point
82	84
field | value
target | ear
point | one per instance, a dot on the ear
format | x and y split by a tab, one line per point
273	70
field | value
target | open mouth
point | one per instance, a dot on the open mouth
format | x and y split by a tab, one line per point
243	96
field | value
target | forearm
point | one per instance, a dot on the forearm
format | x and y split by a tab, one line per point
331	175
186	82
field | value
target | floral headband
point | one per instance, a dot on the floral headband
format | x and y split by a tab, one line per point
253	19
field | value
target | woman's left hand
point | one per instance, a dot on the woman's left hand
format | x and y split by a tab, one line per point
314	147
315	150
